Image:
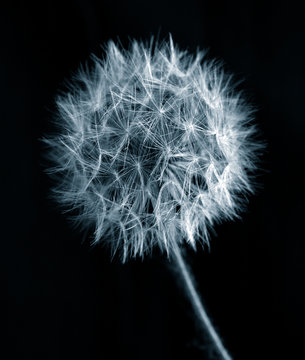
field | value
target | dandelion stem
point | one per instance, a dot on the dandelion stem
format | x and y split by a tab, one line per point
198	306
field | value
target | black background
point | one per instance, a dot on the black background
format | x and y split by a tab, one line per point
67	300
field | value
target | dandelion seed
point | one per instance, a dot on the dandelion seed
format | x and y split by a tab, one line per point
154	148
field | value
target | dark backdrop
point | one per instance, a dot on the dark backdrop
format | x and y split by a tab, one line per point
69	301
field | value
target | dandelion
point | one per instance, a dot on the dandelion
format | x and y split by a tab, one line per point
154	148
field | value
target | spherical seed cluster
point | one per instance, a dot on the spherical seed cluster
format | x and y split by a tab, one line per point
154	147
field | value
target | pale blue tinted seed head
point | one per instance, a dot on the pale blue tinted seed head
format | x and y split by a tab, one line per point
154	147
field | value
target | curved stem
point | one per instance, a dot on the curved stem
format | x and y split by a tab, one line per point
198	307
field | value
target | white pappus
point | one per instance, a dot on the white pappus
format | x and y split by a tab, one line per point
154	146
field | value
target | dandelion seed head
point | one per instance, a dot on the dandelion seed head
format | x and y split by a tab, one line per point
154	147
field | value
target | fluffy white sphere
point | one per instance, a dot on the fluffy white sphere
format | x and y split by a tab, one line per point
153	147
